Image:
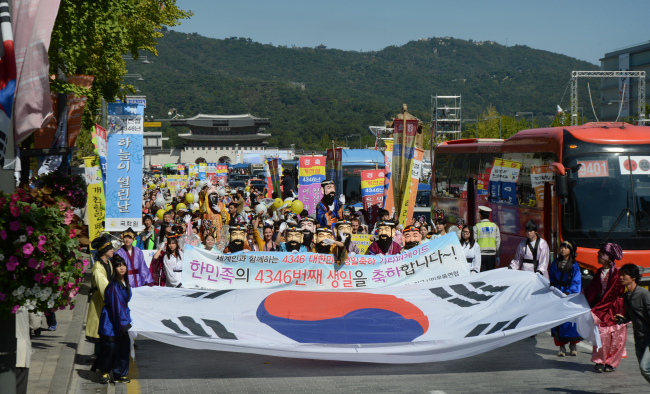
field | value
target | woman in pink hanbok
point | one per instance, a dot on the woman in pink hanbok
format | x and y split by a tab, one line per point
604	295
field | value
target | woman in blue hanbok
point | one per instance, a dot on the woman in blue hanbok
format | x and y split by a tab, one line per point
114	325
564	275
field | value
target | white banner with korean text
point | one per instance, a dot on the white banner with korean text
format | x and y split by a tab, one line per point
437	259
443	320
124	167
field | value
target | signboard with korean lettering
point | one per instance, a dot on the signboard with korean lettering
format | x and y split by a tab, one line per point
335	168
96	199
211	172
99	140
311	172
372	192
408	202
137	100
202	171
124	167
363	242
539	175
176	180
222	172
434	260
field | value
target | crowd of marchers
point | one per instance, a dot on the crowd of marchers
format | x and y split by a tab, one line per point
221	219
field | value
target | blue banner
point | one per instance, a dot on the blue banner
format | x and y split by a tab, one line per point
124	167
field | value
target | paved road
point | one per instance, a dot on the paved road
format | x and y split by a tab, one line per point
529	366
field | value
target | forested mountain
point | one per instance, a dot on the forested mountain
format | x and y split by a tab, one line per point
313	95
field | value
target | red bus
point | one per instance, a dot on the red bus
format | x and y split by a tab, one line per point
588	183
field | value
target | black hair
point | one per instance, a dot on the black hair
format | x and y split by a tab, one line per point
631	270
484	215
177	252
116	261
471	236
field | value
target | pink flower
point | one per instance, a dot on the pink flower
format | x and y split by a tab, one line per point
68	217
72	306
33	264
15	309
47	278
28	249
3	234
2	297
14	210
55	263
3	201
38	277
73	233
30	230
15	197
85	263
26	208
12	263
42	238
14	226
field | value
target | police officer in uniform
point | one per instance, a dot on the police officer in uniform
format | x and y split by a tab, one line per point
486	234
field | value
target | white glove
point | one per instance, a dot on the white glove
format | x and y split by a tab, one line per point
198	223
344	237
245	250
352	254
328	241
216	208
294	251
283	227
188	220
342	199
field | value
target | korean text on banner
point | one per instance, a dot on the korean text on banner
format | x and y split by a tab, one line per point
202	171
124	167
434	260
406	211
363	242
403	151
222	172
438	321
211	172
335	168
389	201
311	172
181	169
96	201
193	170
372	192
100	145
176	180
538	176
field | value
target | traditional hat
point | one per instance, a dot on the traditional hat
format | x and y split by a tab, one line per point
307	219
326	182
388	223
531	226
324	230
612	250
102	244
342	222
237	228
294	229
128	233
485	209
410	229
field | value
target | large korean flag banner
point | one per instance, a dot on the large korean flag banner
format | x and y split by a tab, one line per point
124	167
444	320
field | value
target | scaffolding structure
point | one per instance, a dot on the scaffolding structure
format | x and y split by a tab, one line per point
446	117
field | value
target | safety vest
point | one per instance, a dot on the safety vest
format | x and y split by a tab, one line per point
487	237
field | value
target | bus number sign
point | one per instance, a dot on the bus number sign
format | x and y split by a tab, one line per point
593	169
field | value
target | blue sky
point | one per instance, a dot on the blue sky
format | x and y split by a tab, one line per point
581	29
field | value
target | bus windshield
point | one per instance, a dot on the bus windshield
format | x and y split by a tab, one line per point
609	198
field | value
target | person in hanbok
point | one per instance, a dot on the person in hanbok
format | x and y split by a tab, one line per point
114	325
564	275
604	295
471	249
137	270
532	254
172	261
101	277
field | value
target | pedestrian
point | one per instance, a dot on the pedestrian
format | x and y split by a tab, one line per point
101	277
637	310
564	275
471	249
533	253
114	325
146	239
488	237
288	186
137	270
604	295
440	228
172	262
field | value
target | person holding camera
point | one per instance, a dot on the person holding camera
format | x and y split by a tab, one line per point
564	275
637	311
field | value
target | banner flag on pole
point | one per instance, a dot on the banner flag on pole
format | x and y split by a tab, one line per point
444	320
96	212
372	193
7	79
311	172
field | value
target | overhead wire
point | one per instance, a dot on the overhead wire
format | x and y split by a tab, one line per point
620	108
592	102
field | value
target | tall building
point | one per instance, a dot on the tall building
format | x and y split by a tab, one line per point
620	95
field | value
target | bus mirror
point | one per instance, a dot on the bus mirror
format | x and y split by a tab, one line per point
557	168
562	187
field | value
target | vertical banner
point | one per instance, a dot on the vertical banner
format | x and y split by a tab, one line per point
274	166
7	82
203	171
406	211
96	201
99	139
335	168
311	172
538	176
389	201
372	193
193	170
222	172
124	167
495	180
403	151
181	169
211	172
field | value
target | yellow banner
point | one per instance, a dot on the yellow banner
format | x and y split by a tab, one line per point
152	124
406	211
389	201
96	202
363	242
174	180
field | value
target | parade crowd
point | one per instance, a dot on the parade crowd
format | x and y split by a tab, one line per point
221	219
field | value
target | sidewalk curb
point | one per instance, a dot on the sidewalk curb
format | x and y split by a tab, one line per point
66	362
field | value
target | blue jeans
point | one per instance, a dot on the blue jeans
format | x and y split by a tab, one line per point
642	349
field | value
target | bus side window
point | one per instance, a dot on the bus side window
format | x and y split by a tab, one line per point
442	174
458	174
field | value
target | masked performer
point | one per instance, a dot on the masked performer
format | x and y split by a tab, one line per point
294	237
326	244
344	233
329	209
238	240
385	245
411	237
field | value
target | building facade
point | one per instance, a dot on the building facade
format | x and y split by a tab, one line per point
619	96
